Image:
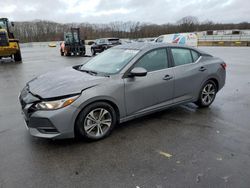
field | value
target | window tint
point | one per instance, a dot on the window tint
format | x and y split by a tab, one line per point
154	60
195	55
181	56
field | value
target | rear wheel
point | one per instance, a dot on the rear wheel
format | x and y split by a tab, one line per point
96	121
17	56
207	94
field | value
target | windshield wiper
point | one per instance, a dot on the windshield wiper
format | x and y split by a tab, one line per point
93	72
88	71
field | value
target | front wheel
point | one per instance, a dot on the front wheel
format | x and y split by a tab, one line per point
96	121
207	94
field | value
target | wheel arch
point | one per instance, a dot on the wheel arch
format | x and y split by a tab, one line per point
212	78
215	80
110	102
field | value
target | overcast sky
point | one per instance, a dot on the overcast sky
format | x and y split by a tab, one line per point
104	11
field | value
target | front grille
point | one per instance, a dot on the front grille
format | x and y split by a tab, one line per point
3	39
28	102
32	109
28	109
23	104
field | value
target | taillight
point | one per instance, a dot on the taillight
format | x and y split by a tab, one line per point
224	65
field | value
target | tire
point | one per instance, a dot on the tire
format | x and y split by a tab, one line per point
83	54
95	121
93	52
17	56
207	94
68	54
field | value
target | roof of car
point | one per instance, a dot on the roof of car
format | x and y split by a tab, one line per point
152	45
108	38
146	45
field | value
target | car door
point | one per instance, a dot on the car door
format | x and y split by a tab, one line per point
189	73
145	93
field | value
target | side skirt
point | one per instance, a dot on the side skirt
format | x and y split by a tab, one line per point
151	110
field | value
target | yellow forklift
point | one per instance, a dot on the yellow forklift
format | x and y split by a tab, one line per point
9	46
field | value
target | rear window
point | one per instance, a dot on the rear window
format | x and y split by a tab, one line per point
181	56
113	40
195	55
3	39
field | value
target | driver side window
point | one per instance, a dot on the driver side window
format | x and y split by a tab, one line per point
154	60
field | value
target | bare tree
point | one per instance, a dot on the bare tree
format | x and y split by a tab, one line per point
188	23
39	30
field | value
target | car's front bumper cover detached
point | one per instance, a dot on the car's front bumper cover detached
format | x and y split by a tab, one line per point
46	123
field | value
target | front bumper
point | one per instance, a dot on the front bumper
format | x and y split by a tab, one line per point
47	124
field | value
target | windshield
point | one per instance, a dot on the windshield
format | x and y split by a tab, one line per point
3	24
111	61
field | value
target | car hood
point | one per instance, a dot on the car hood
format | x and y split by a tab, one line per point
66	81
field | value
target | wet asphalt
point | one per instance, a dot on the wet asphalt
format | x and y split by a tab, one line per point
180	147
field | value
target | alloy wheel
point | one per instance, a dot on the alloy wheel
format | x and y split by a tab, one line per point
208	94
97	122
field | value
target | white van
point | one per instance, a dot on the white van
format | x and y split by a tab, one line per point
189	39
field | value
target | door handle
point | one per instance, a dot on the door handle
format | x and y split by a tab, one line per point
167	77
202	69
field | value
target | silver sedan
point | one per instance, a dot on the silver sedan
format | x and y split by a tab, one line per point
123	83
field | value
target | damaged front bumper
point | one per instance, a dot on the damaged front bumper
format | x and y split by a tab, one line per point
46	123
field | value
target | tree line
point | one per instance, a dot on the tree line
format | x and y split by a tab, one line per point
40	30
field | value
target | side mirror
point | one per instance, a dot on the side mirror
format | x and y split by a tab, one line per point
12	24
138	71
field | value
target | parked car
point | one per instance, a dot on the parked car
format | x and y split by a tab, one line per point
102	44
120	84
189	39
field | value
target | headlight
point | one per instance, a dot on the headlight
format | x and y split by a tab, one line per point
53	105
